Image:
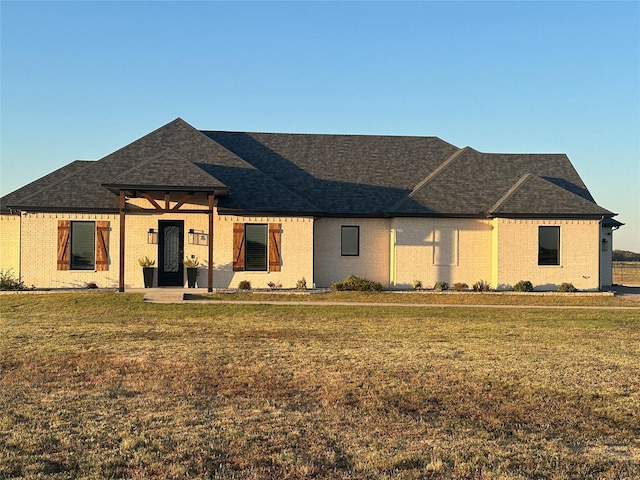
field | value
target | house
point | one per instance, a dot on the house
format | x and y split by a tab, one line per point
276	208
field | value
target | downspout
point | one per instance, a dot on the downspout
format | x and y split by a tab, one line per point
20	248
122	205
600	253
210	253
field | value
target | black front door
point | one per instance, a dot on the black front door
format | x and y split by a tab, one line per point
170	253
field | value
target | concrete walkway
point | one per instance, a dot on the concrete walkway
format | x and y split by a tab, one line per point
166	295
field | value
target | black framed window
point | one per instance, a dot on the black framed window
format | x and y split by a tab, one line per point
83	245
350	240
256	242
548	245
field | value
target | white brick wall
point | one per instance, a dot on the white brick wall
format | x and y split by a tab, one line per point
10	244
518	254
449	250
297	252
503	251
39	241
372	263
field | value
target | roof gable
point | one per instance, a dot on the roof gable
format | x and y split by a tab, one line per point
532	194
168	170
472	183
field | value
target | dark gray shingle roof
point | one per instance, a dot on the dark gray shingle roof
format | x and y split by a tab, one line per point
338	175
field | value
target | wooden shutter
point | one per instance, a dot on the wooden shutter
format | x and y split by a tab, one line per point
102	246
64	245
275	258
238	247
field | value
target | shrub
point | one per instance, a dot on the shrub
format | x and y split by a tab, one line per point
244	285
357	284
9	282
460	287
523	286
441	286
301	284
274	286
567	287
417	285
481	286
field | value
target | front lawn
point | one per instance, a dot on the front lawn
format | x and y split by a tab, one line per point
102	385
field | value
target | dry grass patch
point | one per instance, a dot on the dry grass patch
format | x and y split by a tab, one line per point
429	298
105	386
626	273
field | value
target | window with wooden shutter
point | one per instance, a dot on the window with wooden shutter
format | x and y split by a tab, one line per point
275	258
83	245
102	246
257	247
238	247
64	244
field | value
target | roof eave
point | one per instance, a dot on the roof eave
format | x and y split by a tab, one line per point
217	190
40	209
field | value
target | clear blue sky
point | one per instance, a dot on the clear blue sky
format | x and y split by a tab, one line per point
82	79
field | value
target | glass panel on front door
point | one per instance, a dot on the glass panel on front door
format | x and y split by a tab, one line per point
171	249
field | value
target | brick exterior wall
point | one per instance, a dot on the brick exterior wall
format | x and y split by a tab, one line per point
394	252
10	244
517	254
448	250
39	240
373	262
296	245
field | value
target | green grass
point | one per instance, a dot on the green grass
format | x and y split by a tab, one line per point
101	385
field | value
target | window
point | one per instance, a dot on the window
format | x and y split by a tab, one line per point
255	252
83	245
350	240
548	245
256	247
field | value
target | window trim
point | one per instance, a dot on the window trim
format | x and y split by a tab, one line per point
541	261
346	228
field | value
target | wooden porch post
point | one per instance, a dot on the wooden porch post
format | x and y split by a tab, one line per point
122	236
210	267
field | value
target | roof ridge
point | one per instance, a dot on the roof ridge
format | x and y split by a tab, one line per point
439	169
512	190
138	165
443	166
266	175
176	121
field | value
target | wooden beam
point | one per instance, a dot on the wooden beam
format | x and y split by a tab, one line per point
210	271
123	203
149	211
151	201
167	200
182	201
